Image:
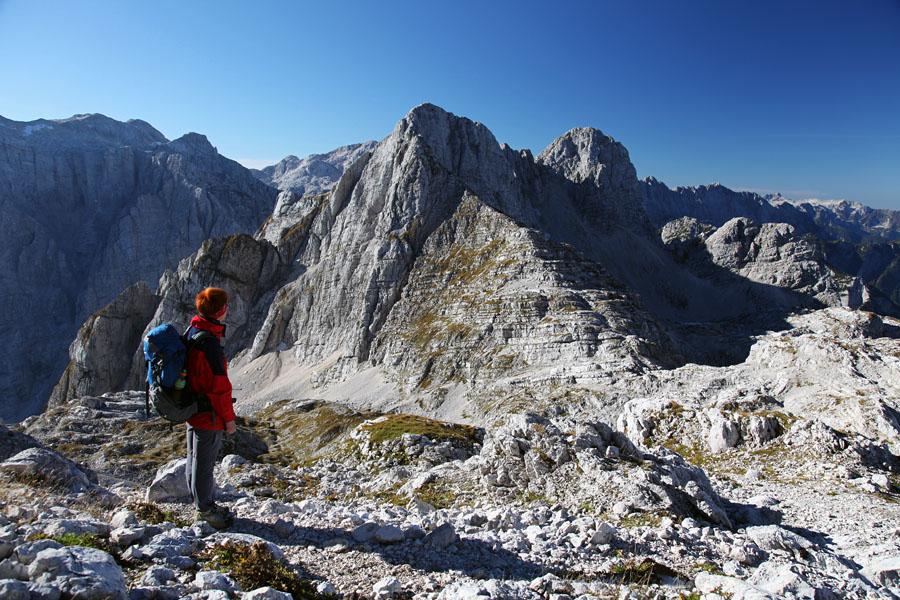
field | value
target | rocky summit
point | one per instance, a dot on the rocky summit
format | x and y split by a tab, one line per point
466	371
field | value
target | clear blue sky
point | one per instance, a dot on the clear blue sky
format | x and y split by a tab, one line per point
797	97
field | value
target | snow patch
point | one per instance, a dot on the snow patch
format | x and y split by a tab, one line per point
29	129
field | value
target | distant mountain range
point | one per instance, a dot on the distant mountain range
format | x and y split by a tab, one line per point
315	174
428	268
852	238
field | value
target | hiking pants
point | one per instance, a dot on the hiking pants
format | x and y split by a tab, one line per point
203	447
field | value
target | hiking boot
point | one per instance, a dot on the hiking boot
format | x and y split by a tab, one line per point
218	517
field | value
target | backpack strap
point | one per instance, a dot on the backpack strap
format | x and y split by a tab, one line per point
147	391
203	341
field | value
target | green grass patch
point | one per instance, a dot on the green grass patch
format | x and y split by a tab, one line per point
253	567
150	513
641	519
394	426
298	433
642	572
436	495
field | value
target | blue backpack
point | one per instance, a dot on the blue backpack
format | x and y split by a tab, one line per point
168	389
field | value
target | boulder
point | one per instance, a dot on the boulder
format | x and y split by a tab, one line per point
80	573
723	433
267	593
26	590
885	571
387	587
169	483
213	580
40	465
441	537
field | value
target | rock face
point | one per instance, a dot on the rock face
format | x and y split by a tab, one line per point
363	277
853	239
102	353
778	265
315	174
141	203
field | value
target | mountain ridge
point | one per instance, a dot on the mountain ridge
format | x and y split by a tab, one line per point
332	300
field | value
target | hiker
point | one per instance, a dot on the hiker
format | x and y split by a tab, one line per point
208	377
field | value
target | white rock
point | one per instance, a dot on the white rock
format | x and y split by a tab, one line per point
126	536
387	587
621	508
123	518
214	580
13	569
273	508
420	507
731	586
885	571
48	466
169	483
723	433
389	534
213	595
782	580
441	537
232	462
773	537
27	590
365	532
267	593
157	576
326	588
604	534
881	480
79	572
63	527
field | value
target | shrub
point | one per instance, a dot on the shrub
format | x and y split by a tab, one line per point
253	567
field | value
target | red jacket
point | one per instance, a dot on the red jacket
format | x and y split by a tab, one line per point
208	374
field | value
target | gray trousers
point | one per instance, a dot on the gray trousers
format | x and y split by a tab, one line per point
203	447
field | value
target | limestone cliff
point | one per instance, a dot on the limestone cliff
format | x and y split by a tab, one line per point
90	206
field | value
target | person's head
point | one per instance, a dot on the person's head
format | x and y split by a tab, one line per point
212	302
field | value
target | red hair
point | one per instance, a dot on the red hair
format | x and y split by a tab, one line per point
211	301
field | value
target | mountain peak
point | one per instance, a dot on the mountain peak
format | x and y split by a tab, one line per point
586	154
192	143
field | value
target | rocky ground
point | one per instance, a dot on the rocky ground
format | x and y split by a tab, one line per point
538	506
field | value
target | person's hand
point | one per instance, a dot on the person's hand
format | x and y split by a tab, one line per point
230	427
